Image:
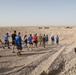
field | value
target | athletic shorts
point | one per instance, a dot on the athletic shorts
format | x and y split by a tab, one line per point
30	43
57	41
19	47
7	42
53	40
34	41
13	42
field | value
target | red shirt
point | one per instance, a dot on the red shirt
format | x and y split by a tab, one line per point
35	38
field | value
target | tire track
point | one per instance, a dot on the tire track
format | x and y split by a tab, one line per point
30	67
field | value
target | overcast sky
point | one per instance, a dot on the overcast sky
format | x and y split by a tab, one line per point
37	12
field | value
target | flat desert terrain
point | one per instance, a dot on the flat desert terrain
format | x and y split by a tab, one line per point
52	60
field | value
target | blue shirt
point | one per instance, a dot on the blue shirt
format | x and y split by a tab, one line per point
52	38
30	39
18	40
46	38
57	39
5	37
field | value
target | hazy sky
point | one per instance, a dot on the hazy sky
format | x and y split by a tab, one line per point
37	12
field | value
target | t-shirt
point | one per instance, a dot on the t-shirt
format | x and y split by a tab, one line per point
35	38
46	38
43	38
13	36
52	38
30	39
5	37
18	40
57	39
40	38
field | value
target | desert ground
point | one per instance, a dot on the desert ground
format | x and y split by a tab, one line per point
52	60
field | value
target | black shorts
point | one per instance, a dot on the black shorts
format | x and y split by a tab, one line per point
57	41
34	41
19	47
31	43
52	40
13	42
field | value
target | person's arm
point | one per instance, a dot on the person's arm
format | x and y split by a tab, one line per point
1	41
21	39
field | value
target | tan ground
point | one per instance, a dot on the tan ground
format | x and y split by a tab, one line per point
52	60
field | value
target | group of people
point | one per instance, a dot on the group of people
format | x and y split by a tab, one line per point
53	39
30	41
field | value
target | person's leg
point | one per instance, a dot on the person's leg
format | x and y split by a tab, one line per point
36	43
18	50
13	46
40	43
44	44
29	46
5	43
32	46
8	44
26	45
52	42
57	42
47	41
2	44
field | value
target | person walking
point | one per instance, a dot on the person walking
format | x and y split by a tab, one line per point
43	39
13	40
52	40
30	40
46	39
6	40
57	39
18	43
35	40
40	39
25	40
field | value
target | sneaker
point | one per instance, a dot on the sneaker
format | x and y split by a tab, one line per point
18	53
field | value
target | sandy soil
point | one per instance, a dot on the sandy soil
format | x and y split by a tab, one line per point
52	60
